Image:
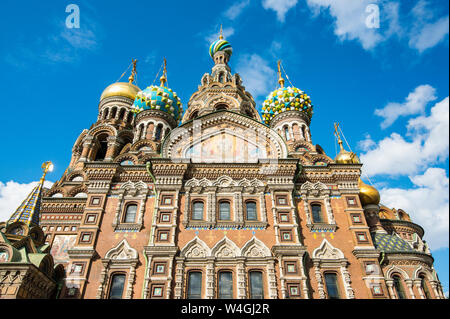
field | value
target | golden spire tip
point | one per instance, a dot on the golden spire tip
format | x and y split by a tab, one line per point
221	33
163	78
133	72
280	77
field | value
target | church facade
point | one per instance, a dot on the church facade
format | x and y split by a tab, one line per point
216	202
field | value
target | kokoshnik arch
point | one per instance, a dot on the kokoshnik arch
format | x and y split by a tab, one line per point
221	202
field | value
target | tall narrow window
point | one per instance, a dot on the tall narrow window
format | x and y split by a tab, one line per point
102	147
423	285
158	132
195	285
286	133
399	287
332	286
224	211
130	214
117	284
256	285
250	208
225	285
197	212
317	213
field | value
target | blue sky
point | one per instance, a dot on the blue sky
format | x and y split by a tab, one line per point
387	86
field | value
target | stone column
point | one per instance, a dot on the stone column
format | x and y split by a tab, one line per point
179	279
262	203
272	280
284	294
131	277
390	285
241	287
116	219
113	146
329	210
418	285
210	279
87	145
307	213
319	279
347	281
103	280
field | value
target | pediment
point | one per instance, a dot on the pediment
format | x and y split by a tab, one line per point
224	138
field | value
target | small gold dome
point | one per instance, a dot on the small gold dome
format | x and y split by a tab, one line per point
128	90
368	194
345	157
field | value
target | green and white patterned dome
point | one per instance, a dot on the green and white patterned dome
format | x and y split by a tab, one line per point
286	99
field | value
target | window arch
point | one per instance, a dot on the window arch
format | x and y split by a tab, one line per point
424	287
113	113
197	210
130	213
317	214
194	115
158	132
130	118
117	286
102	147
332	286
105	114
225	283
122	114
194	290
250	210
256	285
224	210
287	133
398	287
221	107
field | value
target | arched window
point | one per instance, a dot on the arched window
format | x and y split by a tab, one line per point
113	113
317	213
197	211
423	285
398	287
122	114
194	285
224	210
331	284
194	115
256	285
286	133
250	210
102	147
117	285
130	118
221	107
105	114
81	195
130	214
78	178
158	132
225	285
304	132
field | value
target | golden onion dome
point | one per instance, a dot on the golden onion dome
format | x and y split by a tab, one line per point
128	90
345	157
368	194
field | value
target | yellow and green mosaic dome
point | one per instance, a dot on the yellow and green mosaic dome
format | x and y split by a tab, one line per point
158	98
286	99
390	243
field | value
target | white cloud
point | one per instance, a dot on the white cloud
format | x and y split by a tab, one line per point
427	203
350	19
257	76
427	143
414	104
419	27
281	7
12	195
236	9
429	35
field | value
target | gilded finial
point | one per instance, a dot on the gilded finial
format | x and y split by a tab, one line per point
133	72
280	77
163	79
338	136
221	33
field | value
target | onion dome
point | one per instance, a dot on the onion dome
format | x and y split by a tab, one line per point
286	99
368	194
128	90
220	45
159	98
344	157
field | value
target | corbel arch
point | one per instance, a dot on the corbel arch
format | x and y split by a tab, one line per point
255	248
196	248
225	248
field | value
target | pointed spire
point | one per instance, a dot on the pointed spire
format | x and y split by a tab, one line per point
221	33
133	72
163	78
29	211
280	77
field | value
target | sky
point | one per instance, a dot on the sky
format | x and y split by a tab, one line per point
378	67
